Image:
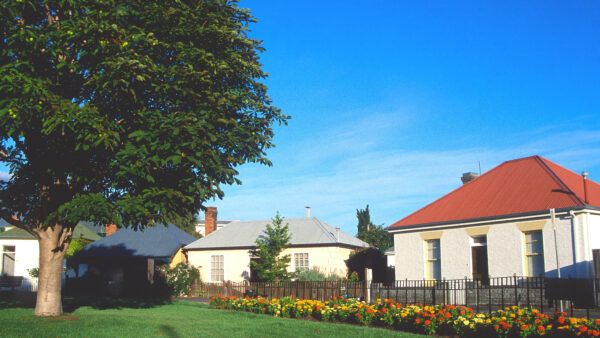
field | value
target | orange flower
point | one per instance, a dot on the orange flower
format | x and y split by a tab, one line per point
219	295
358	315
597	322
541	328
583	328
496	327
524	327
561	320
369	310
417	321
462	312
447	315
427	322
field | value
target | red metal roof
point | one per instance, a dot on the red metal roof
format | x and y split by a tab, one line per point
519	186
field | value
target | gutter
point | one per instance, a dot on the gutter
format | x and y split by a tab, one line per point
491	219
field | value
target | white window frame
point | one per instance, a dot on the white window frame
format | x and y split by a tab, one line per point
429	274
210	268
526	254
307	260
14	252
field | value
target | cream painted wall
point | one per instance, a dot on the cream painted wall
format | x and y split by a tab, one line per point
505	244
329	260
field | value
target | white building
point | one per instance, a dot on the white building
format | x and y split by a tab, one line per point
500	224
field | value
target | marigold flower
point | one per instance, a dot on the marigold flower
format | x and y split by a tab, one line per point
561	320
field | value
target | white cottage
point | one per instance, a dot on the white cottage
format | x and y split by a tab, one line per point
501	224
225	255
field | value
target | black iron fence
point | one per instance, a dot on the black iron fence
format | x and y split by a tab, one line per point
494	293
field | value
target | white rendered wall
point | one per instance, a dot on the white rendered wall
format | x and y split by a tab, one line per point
410	256
456	254
505	248
27	256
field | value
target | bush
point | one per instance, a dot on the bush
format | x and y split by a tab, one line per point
315	275
180	279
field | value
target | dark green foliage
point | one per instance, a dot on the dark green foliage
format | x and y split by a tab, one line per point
270	265
188	224
180	279
371	258
126	112
77	244
373	234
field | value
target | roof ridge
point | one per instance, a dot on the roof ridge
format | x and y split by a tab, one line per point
329	234
557	179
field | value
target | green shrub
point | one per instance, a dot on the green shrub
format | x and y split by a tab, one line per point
315	275
180	279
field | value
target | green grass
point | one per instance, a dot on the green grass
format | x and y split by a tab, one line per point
179	319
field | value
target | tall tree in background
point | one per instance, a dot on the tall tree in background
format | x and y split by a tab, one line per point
373	234
131	113
270	266
188	224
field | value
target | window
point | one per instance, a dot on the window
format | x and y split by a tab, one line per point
534	254
301	261
433	263
217	268
8	260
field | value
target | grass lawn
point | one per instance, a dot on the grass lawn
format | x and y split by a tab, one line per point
179	319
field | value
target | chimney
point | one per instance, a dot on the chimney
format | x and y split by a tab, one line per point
111	229
337	234
468	177
210	220
584	174
307	211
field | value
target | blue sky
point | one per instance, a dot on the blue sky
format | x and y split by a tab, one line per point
392	101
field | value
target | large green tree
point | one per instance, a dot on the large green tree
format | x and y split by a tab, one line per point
128	112
269	264
373	234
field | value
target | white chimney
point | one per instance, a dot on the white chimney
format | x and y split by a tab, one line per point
337	234
307	211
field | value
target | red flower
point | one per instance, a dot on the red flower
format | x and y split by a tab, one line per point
561	320
219	295
496	327
462	312
447	315
541	328
213	298
369	310
524	327
583	328
597	322
358	315
417	321
427	322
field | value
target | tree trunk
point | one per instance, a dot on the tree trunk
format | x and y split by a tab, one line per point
52	251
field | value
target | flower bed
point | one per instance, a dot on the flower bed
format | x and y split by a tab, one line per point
439	319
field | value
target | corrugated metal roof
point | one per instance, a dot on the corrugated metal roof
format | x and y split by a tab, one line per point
157	241
304	231
80	231
519	186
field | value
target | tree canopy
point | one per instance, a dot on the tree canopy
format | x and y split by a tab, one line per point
269	265
373	234
131	113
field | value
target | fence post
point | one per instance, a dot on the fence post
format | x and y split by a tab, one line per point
516	290
368	278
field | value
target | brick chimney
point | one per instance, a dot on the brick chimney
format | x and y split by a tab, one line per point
210	220
468	177
111	229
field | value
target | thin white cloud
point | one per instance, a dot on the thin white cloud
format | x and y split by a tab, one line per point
394	183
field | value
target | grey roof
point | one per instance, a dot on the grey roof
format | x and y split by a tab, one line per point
80	231
305	231
157	241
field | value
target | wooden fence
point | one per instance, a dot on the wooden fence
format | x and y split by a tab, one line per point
305	290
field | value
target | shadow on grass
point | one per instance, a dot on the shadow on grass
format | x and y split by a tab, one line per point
167	331
71	304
